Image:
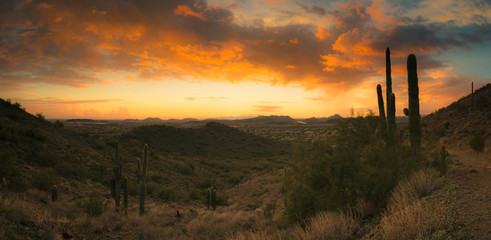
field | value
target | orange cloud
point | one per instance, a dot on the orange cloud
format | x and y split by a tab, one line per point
322	33
187	11
80	45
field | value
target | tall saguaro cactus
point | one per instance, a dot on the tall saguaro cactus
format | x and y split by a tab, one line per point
388	81
117	178
413	94
142	174
381	104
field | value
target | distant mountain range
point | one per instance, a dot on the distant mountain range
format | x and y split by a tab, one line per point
272	119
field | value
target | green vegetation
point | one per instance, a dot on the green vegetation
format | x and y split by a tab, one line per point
360	163
478	140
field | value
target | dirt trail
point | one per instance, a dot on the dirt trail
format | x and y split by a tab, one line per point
473	201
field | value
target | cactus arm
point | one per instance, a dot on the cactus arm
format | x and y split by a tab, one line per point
381	104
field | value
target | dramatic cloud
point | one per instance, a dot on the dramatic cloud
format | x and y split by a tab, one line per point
335	46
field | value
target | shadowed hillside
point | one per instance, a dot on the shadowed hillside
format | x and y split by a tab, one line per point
212	140
463	123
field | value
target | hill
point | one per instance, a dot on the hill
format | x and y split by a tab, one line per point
212	140
462	124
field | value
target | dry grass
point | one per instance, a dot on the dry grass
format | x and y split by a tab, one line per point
407	216
408	191
329	225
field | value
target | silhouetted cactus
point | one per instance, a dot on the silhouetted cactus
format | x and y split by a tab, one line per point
142	174
54	194
472	95
388	83
125	195
413	92
443	161
117	179
381	104
392	116
406	112
117	186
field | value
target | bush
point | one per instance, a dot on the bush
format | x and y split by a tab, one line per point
10	176
361	162
43	179
477	141
94	205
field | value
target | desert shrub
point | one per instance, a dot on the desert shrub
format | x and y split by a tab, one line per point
222	198
40	116
477	141
43	179
35	134
71	169
46	158
194	194
481	103
10	175
58	124
235	177
7	133
253	206
269	210
95	205
167	194
360	162
183	168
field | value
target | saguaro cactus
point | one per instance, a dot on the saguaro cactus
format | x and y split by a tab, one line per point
117	186
472	95
117	179
54	194
413	94
443	161
388	81
381	104
142	174
392	115
125	195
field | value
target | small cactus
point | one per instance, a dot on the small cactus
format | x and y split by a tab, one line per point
413	94
54	194
208	198
213	198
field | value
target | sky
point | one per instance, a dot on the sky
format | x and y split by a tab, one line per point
119	59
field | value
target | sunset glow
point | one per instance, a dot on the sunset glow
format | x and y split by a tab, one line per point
227	58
